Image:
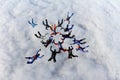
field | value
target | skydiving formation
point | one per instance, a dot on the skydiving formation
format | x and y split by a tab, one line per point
53	30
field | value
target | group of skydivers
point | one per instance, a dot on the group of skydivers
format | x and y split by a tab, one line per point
59	43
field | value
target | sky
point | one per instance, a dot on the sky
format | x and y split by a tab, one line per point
95	20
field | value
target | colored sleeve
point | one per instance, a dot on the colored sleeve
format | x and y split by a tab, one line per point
41	56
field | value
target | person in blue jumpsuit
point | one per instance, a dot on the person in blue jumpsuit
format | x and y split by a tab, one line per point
75	41
33	58
81	48
33	24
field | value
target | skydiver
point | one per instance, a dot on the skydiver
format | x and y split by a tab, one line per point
59	44
81	48
54	27
70	55
32	23
46	24
68	17
33	58
67	28
47	42
40	36
53	55
67	35
60	23
75	41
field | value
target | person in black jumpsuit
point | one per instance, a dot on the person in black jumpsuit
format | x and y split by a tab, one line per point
70	55
53	55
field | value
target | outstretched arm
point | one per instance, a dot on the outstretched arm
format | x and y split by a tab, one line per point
41	56
67	14
38	51
60	23
71	15
32	20
42	36
51	49
29	22
82	39
71	27
69	33
68	17
46	34
39	35
46	24
67	26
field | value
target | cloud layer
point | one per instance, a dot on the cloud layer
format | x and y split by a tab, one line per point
98	21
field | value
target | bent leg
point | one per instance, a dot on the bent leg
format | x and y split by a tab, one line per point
54	60
30	62
74	55
69	56
50	59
